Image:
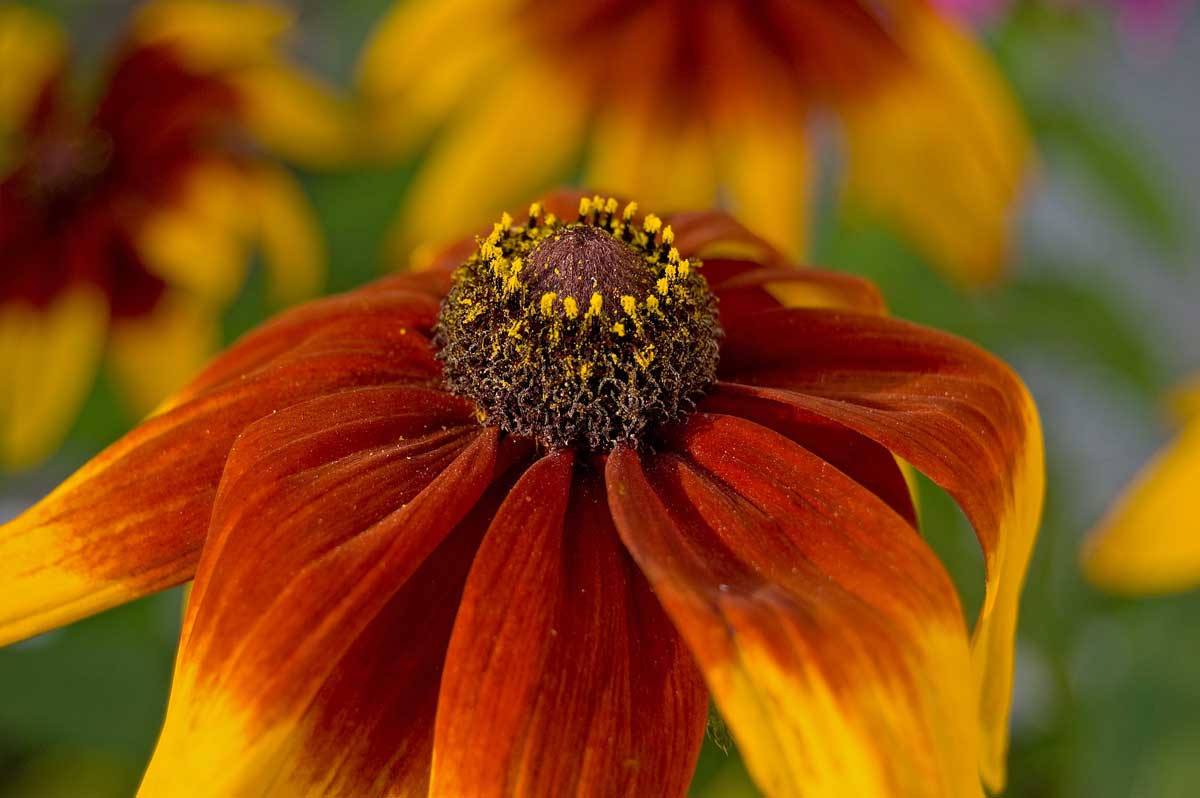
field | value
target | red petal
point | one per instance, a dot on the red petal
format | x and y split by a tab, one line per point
855	455
829	634
942	404
564	676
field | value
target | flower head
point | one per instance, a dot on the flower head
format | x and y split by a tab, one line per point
411	580
684	103
126	225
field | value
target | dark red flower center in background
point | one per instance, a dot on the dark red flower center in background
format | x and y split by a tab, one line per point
588	333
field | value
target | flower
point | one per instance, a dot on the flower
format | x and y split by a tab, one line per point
1149	542
684	104
125	228
500	527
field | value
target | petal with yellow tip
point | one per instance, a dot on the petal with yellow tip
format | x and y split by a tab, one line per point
296	116
212	35
948	408
1150	540
836	677
287	233
133	520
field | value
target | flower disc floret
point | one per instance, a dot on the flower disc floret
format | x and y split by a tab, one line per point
584	333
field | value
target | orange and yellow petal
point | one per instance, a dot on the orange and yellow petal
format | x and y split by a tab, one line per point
949	409
829	634
48	361
563	675
318	526
214	35
1150	540
32	52
939	150
286	232
133	520
154	355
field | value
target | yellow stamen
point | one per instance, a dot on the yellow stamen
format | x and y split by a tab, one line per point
661	285
619	329
595	304
548	303
506	220
571	307
651	224
585	206
668	235
652	303
610	206
628	304
629	211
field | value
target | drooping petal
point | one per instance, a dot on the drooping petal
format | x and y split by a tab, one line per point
1150	540
943	405
317	526
563	677
133	519
940	150
48	361
829	634
155	354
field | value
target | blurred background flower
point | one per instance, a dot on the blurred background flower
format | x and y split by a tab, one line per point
1098	315
127	220
688	104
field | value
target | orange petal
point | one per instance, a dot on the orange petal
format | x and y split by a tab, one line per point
563	674
948	408
743	295
325	512
1150	540
133	519
829	634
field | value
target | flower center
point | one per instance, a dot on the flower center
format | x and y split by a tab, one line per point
586	333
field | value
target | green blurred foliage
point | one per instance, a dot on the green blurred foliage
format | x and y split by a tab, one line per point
1108	697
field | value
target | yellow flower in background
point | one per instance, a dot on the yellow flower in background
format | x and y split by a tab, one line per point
1150	540
125	226
689	104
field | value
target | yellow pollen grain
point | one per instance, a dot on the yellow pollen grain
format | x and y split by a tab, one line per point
535	210
651	224
571	307
668	235
548	303
511	285
500	267
489	250
550	220
671	271
597	203
685	267
644	357
610	205
585	371
661	285
652	303
585	206
619	329
595	304
514	330
506	220
516	265
629	211
628	304
673	256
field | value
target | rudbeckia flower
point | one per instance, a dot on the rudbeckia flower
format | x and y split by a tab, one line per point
503	526
124	227
687	104
1150	540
